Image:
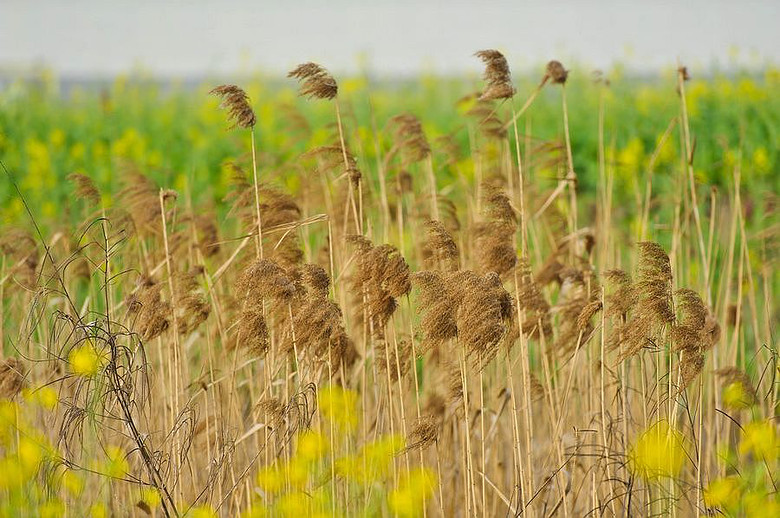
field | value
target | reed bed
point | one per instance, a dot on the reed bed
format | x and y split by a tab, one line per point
439	331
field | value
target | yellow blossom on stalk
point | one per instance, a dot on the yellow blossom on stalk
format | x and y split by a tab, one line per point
11	473
339	405
31	453
293	505
736	397
45	397
98	511
202	511
414	488
760	505
373	461
760	438
73	483
117	465
722	493
257	510
277	477
312	446
658	452
150	496
85	359
51	509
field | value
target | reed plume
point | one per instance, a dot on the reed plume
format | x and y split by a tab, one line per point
497	76
440	251
316	81
85	188
12	376
236	102
495	236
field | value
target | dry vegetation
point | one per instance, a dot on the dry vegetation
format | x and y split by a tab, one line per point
381	344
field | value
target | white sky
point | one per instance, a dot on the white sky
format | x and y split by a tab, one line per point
196	37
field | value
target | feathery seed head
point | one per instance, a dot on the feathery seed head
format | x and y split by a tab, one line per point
236	102
316	81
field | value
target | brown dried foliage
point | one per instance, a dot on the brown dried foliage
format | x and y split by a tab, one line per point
236	102
497	76
316	81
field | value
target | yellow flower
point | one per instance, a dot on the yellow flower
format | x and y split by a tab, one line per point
414	488
722	493
85	359
658	452
311	446
31	453
735	397
73	483
293	505
45	397
339	405
117	465
760	438
202	511
759	505
270	479
51	509
98	511
373	461
150	496
11	474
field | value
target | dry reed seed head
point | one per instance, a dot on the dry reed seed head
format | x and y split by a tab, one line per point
495	237
683	72
264	278
497	75
193	308
449	147
654	286
693	312
153	315
140	197
711	331
555	73
623	297
85	188
316	81
381	276
550	270
437	310
316	279
391	360
271	410
441	247
425	432
207	234
531	300
691	364
12	375
236	102
483	308
588	312
409	138
22	249
487	120
252	332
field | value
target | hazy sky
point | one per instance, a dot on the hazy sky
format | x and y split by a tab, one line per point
195	37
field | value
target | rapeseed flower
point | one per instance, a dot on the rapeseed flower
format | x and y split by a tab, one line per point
339	405
760	439
409	497
659	452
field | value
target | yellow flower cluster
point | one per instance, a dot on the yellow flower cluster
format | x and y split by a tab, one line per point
409	497
659	452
